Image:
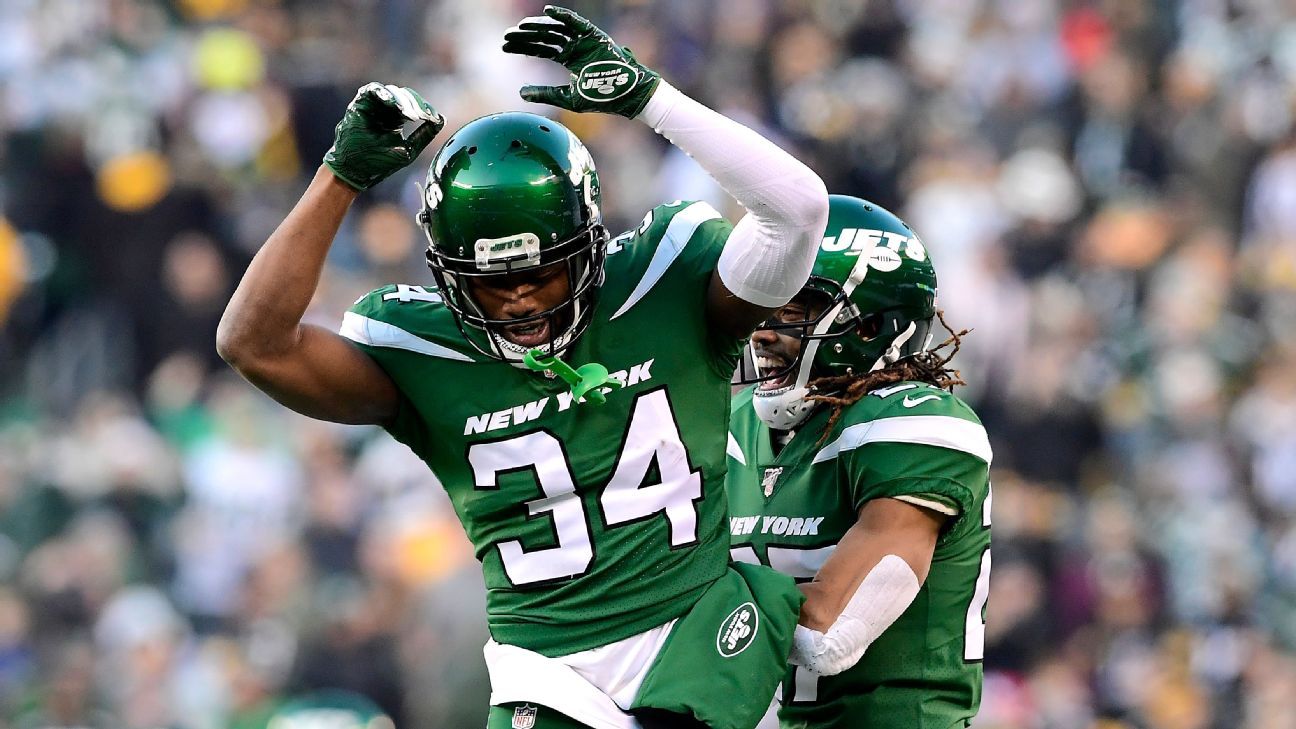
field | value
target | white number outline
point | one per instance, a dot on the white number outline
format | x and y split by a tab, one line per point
805	683
974	622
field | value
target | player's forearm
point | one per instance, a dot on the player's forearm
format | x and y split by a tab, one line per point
886	527
871	578
884	594
822	605
264	315
773	247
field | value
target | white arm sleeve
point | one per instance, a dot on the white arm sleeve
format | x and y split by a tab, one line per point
886	592
769	254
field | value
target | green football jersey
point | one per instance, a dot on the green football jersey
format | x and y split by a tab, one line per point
911	442
592	522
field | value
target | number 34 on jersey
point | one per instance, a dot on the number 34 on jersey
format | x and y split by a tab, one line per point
652	438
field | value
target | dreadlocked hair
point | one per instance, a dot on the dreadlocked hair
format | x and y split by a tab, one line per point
931	367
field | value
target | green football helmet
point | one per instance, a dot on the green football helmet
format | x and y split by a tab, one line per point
514	192
873	294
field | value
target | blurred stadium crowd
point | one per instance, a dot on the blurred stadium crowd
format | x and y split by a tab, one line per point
1108	188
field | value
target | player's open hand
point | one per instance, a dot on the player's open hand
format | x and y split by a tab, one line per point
605	77
368	145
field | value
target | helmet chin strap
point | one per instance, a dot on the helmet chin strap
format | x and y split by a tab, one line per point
786	408
893	352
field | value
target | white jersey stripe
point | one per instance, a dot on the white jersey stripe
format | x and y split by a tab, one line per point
733	450
941	431
935	506
678	233
376	333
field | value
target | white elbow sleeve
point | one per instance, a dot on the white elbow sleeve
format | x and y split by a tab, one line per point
767	264
769	254
886	592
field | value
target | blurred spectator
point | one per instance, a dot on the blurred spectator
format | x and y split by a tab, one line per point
244	499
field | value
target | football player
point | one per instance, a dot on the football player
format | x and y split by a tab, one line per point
569	388
855	470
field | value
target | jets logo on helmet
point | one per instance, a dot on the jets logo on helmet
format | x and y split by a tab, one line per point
854	241
497	254
511	192
431	195
869	302
582	174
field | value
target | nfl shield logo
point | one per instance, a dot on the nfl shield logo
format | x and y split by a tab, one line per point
770	478
524	717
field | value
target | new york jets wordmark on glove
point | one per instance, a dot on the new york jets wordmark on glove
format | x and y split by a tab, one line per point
605	77
602	81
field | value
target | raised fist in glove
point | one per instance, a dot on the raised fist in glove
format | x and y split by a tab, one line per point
368	145
605	77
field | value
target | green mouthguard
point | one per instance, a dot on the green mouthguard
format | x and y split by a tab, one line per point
585	380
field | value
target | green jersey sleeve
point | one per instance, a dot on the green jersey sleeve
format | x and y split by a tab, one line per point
920	445
673	253
394	325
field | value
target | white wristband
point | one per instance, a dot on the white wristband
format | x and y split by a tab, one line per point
886	592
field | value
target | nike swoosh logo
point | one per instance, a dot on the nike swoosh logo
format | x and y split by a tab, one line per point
915	403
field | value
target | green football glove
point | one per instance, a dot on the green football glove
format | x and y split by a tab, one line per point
368	145
605	77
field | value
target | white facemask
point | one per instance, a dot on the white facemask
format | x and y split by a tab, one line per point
786	407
